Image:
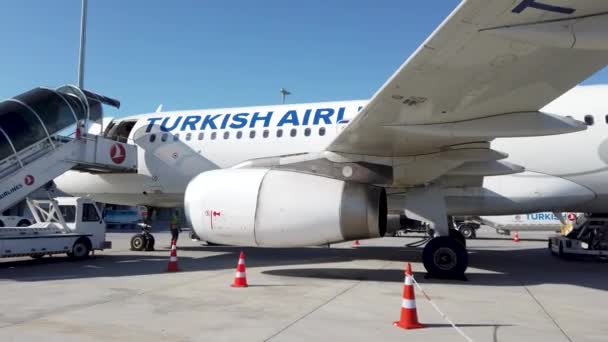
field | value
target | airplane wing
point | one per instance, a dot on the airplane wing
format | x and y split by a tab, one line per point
484	73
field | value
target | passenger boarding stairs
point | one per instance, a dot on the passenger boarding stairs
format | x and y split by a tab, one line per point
32	151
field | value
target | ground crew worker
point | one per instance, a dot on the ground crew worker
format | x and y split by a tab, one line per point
175	226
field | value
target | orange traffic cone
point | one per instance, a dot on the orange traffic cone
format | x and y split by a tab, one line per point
172	267
240	278
409	315
516	237
356	243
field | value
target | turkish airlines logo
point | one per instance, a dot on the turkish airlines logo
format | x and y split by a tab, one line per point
118	153
29	180
212	214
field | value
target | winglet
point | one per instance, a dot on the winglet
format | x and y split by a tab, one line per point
159	108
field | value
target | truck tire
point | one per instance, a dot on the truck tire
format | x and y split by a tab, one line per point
24	223
138	242
81	249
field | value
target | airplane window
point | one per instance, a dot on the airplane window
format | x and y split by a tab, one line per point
307	132
89	213
176	137
188	136
293	132
213	135
226	135
322	131
68	212
279	133
252	134
589	120
152	138
239	135
163	137
606	118
201	135
265	134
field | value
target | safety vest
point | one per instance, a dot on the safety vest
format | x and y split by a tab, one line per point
174	222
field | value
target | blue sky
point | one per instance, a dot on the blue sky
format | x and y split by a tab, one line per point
190	54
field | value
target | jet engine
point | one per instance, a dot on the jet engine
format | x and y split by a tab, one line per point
274	208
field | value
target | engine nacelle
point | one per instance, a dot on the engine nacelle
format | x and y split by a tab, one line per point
263	207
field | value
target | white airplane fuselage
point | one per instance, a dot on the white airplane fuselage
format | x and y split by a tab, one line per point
563	172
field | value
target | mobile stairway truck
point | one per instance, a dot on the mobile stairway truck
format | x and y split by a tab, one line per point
69	225
36	146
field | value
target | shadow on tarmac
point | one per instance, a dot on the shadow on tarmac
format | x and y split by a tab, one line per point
512	267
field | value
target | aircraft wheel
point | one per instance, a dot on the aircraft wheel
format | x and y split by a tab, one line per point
138	242
467	231
455	234
149	242
445	257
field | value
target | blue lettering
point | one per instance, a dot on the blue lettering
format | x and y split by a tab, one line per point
340	118
225	121
291	117
191	121
210	121
165	128
306	117
325	114
256	117
239	120
543	7
151	123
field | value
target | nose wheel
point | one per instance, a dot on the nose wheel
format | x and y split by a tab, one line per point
445	257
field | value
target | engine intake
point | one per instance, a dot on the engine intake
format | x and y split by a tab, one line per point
274	208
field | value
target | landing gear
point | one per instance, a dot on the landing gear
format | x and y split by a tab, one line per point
455	234
468	230
144	240
445	254
445	257
138	242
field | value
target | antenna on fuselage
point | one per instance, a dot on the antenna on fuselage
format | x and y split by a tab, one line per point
284	92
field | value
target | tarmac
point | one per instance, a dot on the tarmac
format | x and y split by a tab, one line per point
515	292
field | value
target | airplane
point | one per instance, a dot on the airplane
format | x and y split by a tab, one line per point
483	119
532	222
